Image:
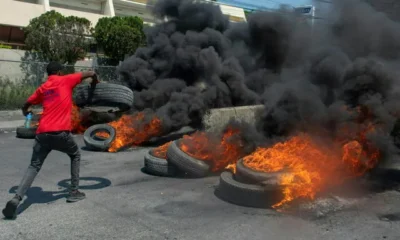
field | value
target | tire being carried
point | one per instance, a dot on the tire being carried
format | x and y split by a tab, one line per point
26	133
248	195
105	95
158	166
193	167
99	143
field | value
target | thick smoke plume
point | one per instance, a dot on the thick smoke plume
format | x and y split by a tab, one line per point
340	71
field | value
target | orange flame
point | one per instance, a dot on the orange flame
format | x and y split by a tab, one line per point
161	151
311	166
219	153
76	121
103	134
231	167
134	130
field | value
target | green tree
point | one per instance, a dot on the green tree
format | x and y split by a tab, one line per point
119	36
59	38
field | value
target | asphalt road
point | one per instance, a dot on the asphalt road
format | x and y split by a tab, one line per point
129	204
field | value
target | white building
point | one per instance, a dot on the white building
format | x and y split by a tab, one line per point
15	14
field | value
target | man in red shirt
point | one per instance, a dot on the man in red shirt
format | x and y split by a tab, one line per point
54	131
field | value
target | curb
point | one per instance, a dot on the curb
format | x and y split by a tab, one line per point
11	125
11	119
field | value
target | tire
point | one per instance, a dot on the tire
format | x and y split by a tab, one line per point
105	95
186	163
26	133
248	175
158	166
90	118
247	195
98	143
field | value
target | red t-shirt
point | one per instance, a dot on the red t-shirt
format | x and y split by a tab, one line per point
55	95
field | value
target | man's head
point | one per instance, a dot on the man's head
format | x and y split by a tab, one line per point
54	68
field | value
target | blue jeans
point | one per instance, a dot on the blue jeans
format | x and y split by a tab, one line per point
44	143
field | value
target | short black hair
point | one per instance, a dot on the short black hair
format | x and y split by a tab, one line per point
53	68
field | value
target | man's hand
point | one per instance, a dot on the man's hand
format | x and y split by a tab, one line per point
26	109
90	74
95	79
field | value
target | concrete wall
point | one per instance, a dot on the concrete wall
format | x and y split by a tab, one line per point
92	17
16	13
235	14
85	6
217	118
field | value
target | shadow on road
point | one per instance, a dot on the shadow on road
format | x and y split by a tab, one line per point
101	183
88	149
36	195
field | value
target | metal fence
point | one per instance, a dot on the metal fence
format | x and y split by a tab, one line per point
34	73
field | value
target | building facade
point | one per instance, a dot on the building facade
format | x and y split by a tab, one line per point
15	14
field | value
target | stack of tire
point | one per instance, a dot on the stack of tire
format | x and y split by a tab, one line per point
176	163
102	95
250	188
246	187
158	165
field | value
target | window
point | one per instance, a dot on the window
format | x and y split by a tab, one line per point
13	36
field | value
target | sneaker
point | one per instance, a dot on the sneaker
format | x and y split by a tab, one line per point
75	196
10	210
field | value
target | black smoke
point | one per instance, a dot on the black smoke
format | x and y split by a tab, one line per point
307	76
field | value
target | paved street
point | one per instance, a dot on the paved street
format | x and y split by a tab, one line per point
129	204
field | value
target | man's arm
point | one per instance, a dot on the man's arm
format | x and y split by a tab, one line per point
77	78
34	99
88	74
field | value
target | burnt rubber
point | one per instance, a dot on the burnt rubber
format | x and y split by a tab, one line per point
158	166
90	118
193	167
248	175
94	142
105	95
26	133
248	195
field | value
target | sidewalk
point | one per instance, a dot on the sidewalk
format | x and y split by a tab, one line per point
11	119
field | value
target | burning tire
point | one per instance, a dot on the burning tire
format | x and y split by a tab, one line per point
186	163
105	95
100	143
248	195
26	133
158	166
248	175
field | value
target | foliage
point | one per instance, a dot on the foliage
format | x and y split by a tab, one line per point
33	65
58	38
5	46
118	36
13	95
